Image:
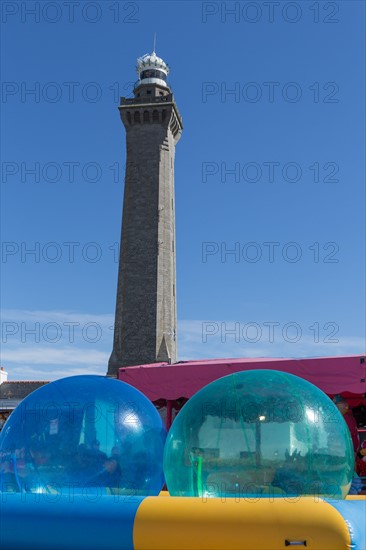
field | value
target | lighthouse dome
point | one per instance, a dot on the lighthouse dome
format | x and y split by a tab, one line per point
151	69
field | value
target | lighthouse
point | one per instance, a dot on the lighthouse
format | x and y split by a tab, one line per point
145	329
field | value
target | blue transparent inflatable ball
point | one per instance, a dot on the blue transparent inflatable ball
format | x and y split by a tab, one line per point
84	434
259	433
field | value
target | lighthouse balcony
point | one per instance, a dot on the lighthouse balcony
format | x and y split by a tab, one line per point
146	99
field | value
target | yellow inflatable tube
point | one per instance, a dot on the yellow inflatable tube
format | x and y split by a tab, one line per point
211	524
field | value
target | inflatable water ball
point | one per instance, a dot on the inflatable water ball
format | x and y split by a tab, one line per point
87	435
259	433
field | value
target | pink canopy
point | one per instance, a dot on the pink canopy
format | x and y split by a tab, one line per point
170	382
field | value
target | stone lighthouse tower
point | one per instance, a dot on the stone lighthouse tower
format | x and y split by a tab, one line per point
146	313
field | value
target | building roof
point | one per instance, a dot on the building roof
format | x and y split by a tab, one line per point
11	393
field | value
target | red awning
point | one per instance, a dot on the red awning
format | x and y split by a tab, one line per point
163	381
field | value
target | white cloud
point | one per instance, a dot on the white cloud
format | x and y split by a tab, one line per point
46	345
25	372
54	316
208	339
45	354
54	356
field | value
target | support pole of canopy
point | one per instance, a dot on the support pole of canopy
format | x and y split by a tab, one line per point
258	440
169	411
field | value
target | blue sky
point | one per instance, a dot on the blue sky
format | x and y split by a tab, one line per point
271	167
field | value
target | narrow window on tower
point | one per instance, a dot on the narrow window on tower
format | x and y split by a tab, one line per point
173	290
172	246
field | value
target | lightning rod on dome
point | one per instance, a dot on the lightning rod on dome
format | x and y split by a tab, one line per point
154	48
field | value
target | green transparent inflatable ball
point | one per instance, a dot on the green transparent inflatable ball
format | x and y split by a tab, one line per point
259	433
